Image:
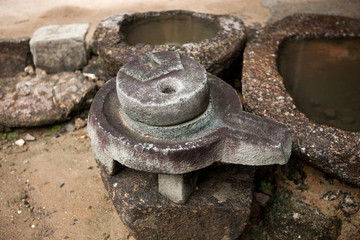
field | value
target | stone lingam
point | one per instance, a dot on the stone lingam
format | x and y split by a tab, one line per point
166	120
215	41
303	71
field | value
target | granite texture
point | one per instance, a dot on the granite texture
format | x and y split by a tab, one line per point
35	100
219	208
59	48
286	218
216	54
15	55
332	150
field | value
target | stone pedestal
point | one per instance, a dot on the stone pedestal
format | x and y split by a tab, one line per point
219	208
59	48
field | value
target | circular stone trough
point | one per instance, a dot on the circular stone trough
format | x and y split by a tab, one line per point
331	149
215	41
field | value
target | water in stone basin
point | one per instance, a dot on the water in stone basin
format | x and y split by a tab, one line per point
323	77
174	30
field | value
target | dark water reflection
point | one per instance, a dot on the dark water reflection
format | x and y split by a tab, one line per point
323	77
175	30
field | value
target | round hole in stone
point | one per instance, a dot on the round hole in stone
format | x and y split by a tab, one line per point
169	86
167	89
175	29
323	77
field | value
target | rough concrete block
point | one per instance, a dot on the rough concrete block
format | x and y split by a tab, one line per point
14	56
59	48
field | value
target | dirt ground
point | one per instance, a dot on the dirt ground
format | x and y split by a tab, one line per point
50	188
22	18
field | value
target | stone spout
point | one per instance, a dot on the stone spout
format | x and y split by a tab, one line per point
253	140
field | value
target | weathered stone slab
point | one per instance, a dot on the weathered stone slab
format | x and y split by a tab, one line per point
289	219
59	48
335	203
219	208
27	101
15	55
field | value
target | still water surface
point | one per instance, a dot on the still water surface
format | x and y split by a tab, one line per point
175	30
323	77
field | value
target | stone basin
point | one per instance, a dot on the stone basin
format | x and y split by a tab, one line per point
268	88
215	41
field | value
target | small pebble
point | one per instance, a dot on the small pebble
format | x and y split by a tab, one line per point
39	71
26	202
20	142
19	212
62	185
262	198
90	207
90	76
57	135
33	226
29	70
79	123
29	137
69	127
331	195
349	205
100	83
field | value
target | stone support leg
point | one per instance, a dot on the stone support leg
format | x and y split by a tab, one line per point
177	187
106	163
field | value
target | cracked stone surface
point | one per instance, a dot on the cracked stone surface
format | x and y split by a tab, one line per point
35	100
216	54
330	149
